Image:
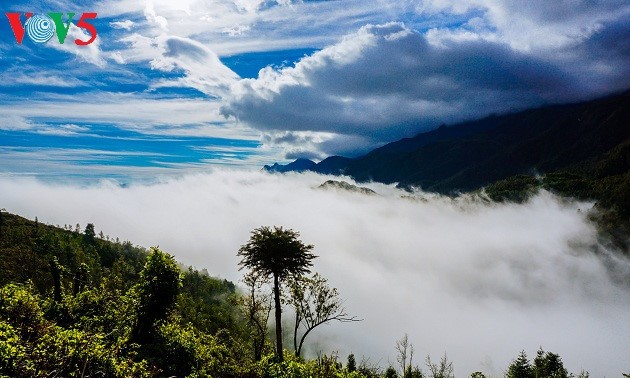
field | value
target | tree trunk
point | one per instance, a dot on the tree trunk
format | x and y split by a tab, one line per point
276	294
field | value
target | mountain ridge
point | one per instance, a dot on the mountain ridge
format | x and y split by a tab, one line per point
472	154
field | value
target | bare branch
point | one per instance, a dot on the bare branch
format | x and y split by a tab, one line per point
314	303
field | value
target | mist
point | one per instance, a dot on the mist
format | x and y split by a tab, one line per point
477	280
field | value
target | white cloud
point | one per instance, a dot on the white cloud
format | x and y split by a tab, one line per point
480	281
137	112
152	16
63	130
51	79
125	24
11	122
204	71
91	53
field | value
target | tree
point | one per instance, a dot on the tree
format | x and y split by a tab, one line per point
89	235
80	279
414	372
157	290
257	307
548	365
352	363
278	253
390	372
520	368
404	349
315	303
57	271
443	369
1	219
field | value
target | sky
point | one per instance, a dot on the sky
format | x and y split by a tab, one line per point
179	87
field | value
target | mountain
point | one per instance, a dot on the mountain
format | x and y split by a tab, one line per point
299	165
470	155
579	150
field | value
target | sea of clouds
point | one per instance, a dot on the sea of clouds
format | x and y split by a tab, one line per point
480	281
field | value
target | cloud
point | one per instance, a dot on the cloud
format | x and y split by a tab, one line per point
138	112
386	69
204	71
126	24
48	79
387	81
480	281
16	123
91	53
19	123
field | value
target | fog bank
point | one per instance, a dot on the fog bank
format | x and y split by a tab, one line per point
477	280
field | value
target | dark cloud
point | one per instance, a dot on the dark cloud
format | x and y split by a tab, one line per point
301	154
608	62
385	82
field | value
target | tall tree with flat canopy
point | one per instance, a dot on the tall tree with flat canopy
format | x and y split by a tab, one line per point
278	253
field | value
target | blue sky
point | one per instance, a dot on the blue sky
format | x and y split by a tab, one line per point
171	87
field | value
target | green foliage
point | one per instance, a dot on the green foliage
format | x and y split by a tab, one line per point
57	272
548	365
390	372
157	291
352	363
117	289
208	303
184	351
276	252
27	248
81	278
82	352
325	366
416	372
520	367
20	308
31	346
89	235
11	349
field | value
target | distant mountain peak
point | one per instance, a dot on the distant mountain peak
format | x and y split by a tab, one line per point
299	165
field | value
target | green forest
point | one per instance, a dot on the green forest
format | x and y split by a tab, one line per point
77	304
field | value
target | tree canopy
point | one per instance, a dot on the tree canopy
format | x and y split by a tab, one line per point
276	252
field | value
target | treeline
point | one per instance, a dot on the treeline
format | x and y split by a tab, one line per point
76	304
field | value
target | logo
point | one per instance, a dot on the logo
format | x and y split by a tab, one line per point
40	28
